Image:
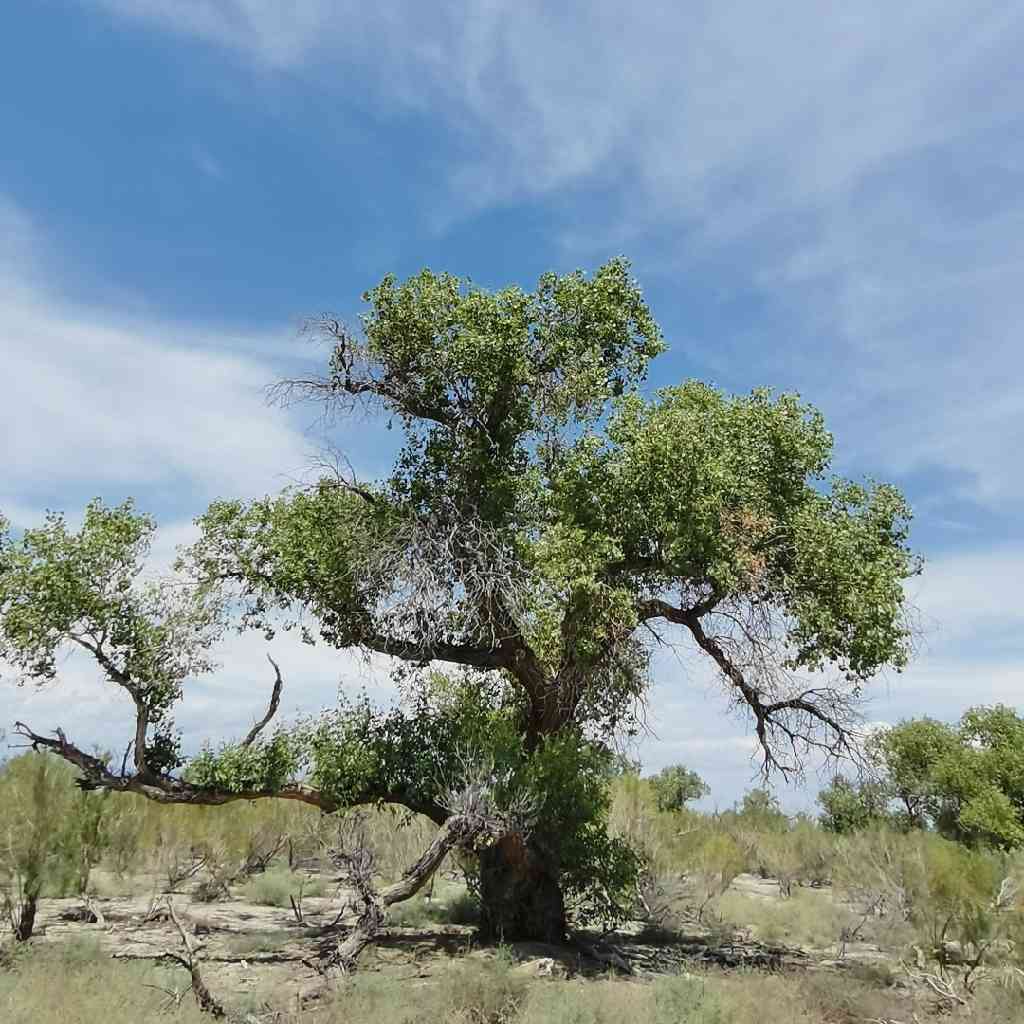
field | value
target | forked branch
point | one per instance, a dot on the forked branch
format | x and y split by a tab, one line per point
814	719
460	830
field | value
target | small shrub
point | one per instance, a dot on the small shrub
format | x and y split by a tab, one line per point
472	992
51	836
675	786
462	909
258	942
806	919
275	888
667	1000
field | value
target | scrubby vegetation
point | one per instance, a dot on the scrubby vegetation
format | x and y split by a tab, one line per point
904	920
95	989
546	526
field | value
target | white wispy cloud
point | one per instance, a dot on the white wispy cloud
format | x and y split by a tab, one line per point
858	167
96	401
972	595
689	103
173	415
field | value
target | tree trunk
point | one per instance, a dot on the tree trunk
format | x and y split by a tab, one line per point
520	895
26	918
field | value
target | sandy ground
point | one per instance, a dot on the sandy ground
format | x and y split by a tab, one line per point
255	952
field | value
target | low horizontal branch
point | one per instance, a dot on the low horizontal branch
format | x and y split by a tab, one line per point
166	789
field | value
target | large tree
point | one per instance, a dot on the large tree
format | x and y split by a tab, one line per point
545	526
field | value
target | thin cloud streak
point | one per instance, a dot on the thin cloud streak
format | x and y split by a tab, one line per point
858	171
106	405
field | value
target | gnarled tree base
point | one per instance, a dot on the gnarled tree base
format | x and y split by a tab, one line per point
521	898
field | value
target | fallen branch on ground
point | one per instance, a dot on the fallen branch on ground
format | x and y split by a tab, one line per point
190	962
459	830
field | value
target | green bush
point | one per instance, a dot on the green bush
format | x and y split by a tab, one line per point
51	835
460	908
967	780
850	807
675	786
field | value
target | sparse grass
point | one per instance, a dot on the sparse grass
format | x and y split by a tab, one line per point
106	884
274	887
808	918
258	942
491	992
753	998
450	905
76	984
672	1000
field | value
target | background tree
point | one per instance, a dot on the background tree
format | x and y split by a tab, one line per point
760	808
966	780
676	785
544	526
908	755
50	836
851	806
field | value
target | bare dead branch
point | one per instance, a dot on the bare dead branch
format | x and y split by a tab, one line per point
166	789
342	474
803	719
458	830
275	700
356	377
207	1003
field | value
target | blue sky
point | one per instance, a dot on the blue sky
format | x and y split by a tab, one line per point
821	198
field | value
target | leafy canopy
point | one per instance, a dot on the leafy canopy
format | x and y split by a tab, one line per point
84	589
964	780
676	785
967	780
854	806
544	527
545	520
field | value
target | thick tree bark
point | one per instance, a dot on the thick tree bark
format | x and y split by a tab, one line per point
521	898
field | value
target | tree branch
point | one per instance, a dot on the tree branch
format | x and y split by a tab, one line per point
330	389
458	830
165	789
275	700
770	716
162	789
656	608
190	962
435	650
124	680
